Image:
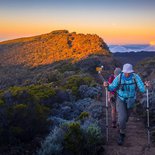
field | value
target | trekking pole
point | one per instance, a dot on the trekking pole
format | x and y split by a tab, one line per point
107	124
148	120
99	69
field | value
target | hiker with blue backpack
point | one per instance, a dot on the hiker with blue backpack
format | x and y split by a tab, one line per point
125	85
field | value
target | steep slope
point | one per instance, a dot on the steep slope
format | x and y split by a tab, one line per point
51	47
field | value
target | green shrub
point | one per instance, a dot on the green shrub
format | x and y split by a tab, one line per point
33	93
16	91
53	143
1	93
94	135
54	76
93	139
73	137
74	82
41	91
1	102
83	115
25	122
68	67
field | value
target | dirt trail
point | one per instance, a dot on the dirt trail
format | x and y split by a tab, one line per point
135	140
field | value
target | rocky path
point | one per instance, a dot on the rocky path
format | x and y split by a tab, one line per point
135	141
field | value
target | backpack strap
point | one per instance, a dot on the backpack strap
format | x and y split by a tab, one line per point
120	78
135	81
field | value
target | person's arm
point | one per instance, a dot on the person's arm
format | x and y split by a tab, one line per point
140	84
114	84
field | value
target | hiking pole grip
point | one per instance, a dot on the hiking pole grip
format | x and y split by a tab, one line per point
148	117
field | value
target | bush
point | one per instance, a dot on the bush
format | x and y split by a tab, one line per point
1	102
23	123
33	93
54	76
17	91
74	82
93	139
83	115
73	137
40	92
68	66
53	144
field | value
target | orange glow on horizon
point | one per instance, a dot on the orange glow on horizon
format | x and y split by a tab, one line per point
111	35
152	43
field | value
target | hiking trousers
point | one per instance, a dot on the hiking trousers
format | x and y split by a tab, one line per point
113	109
123	114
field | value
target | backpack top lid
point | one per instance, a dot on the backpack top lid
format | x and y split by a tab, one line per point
117	71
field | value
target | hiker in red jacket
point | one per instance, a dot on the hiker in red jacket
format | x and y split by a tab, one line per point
112	97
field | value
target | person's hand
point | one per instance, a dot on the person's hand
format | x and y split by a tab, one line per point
147	83
105	84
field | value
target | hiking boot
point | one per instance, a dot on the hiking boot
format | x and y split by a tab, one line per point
120	139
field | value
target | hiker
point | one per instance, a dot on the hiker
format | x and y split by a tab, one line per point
126	85
112	96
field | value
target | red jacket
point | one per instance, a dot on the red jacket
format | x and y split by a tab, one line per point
110	80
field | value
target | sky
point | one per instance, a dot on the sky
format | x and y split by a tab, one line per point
116	21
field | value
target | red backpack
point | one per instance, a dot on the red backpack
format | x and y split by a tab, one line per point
111	78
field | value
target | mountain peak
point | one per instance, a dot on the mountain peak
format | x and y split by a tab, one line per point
48	48
59	32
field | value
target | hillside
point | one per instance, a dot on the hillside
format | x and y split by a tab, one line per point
57	106
146	68
133	57
50	80
51	47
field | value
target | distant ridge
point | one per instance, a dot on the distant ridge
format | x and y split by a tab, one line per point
133	57
131	48
51	47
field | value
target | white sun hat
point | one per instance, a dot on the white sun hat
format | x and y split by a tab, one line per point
127	68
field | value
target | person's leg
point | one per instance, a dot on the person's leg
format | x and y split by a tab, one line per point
122	119
113	113
122	114
129	111
130	106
